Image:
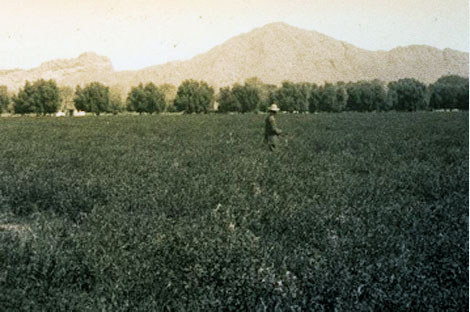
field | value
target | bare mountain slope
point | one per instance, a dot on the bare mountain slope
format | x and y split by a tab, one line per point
86	68
278	52
274	53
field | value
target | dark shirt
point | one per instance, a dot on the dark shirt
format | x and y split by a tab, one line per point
271	129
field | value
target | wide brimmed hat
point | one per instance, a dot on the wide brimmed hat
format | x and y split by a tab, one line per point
273	108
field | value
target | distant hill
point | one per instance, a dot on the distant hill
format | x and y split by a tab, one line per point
70	72
274	53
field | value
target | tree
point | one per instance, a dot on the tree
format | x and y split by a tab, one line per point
449	92
251	96
4	99
41	97
293	96
366	96
303	93
94	98
146	99
227	101
333	97
24	101
136	100
407	95
266	95
194	97
155	98
379	89
264	91
248	96
116	104
169	91
314	98
47	96
66	99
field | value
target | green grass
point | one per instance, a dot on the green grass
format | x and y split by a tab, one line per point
185	212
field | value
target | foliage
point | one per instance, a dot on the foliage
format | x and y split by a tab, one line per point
149	99
248	96
194	97
252	96
41	97
450	92
293	96
116	104
314	98
67	95
94	98
366	96
136	100
4	99
227	101
407	95
333	97
23	102
264	91
169	91
356	212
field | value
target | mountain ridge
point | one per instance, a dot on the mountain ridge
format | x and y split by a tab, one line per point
274	52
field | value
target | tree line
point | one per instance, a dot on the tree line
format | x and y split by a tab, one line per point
44	97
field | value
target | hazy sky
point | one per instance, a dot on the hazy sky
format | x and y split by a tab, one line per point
139	33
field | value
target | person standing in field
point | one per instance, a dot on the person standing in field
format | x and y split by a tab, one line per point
271	130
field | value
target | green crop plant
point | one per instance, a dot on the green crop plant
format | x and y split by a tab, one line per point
193	213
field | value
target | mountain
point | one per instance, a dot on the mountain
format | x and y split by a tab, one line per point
274	53
86	68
